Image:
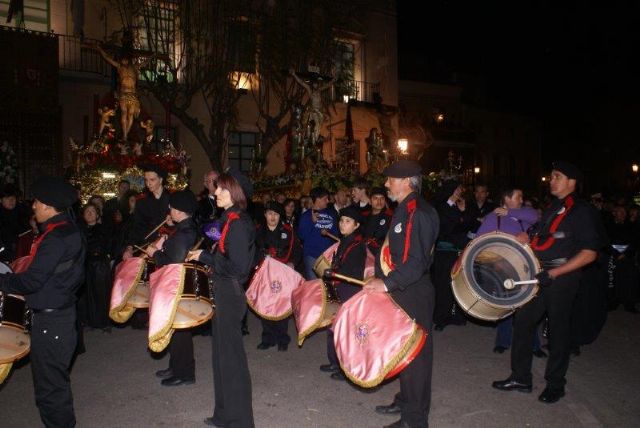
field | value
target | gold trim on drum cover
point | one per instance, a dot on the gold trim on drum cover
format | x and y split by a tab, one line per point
159	341
461	289
123	312
416	333
4	371
319	324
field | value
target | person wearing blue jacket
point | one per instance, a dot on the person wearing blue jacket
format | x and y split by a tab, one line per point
314	224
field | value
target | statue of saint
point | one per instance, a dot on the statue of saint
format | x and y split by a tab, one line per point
148	126
314	91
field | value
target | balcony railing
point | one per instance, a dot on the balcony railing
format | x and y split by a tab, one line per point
357	90
74	57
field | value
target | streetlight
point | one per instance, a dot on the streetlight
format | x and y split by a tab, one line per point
634	168
544	179
403	145
476	170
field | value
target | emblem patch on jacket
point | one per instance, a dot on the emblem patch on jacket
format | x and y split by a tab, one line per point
398	228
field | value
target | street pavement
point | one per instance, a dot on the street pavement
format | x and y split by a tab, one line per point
114	385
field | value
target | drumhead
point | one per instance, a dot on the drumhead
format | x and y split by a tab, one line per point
192	312
4	268
493	260
14	343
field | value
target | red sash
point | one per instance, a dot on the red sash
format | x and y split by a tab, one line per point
23	263
567	204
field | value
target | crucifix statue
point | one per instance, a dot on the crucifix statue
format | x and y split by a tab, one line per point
314	90
128	71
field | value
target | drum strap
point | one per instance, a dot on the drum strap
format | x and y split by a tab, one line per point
225	230
567	205
285	259
411	208
38	240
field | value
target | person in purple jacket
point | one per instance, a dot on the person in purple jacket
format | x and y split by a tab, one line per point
515	219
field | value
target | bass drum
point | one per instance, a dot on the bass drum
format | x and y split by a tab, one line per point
478	276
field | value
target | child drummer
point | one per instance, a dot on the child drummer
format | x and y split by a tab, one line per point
349	260
174	249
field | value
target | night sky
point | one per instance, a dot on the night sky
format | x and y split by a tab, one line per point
575	66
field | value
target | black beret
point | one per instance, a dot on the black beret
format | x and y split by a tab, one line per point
149	167
243	181
183	200
378	191
9	190
54	191
352	212
402	169
568	169
275	207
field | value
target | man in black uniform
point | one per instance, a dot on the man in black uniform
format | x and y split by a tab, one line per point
402	269
276	239
182	205
49	285
455	225
565	241
376	221
480	206
151	209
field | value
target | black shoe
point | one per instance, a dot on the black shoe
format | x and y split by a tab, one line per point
163	374
398	424
551	395
329	368
245	330
338	376
264	345
209	421
540	353
499	349
175	381
391	409
511	385
283	347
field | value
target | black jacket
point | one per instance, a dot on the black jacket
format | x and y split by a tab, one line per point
233	256
282	244
176	247
149	213
349	260
411	238
57	269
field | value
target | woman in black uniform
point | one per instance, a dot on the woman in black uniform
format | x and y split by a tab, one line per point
231	261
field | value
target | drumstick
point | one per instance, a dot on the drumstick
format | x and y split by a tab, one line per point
24	233
195	247
510	284
154	230
348	279
140	248
330	235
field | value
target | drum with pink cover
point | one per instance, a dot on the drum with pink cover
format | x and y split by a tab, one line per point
375	339
314	307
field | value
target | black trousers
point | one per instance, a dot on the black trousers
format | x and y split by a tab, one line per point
446	310
275	332
53	342
557	301
181	361
231	378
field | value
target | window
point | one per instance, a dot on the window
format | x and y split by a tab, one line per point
241	45
158	35
345	73
241	145
36	15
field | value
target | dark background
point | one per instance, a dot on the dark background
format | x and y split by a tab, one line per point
574	65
